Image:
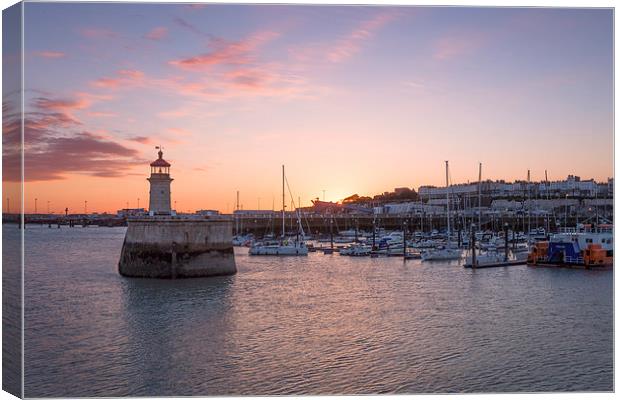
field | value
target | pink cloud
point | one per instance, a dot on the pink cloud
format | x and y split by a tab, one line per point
352	43
101	114
344	47
131	73
50	104
249	78
227	52
157	33
454	46
107	82
268	80
50	54
141	139
124	77
83	153
55	144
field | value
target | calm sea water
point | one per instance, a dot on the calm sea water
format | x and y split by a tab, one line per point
322	324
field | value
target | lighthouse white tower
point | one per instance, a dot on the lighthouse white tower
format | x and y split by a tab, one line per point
159	195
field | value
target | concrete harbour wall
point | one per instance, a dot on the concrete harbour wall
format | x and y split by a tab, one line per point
168	247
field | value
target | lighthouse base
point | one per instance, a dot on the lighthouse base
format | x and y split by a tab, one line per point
170	248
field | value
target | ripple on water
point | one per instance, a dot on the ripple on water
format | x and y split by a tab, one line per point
322	324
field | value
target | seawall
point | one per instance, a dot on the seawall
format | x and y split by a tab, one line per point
170	247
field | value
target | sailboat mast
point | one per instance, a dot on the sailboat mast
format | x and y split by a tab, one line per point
283	203
447	201
529	206
479	196
547	190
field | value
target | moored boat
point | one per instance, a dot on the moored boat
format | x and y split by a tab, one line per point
441	254
283	247
356	250
277	248
583	247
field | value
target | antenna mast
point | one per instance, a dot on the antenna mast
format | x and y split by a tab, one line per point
283	203
448	201
479	196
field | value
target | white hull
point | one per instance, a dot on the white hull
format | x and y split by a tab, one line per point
488	258
279	249
355	251
441	255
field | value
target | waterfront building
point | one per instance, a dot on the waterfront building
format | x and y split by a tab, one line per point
412	207
131	212
207	212
572	186
255	213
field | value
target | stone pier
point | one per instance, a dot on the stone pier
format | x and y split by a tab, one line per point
172	247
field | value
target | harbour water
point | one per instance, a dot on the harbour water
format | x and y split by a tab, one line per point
321	324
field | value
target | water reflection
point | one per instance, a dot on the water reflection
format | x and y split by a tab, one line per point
312	325
174	323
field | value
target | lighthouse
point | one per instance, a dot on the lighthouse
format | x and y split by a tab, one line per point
164	245
159	194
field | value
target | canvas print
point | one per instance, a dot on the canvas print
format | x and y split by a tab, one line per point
211	199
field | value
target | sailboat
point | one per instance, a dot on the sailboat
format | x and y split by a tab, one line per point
285	246
446	252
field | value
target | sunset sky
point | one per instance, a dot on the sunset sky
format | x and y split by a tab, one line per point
351	99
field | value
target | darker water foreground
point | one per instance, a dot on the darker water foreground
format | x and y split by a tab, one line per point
322	324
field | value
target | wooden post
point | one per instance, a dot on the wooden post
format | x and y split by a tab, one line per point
374	230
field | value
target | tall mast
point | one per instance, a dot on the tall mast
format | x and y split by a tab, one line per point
447	201
529	206
479	196
283	203
547	190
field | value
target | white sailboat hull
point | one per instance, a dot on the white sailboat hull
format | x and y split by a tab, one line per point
441	255
297	249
